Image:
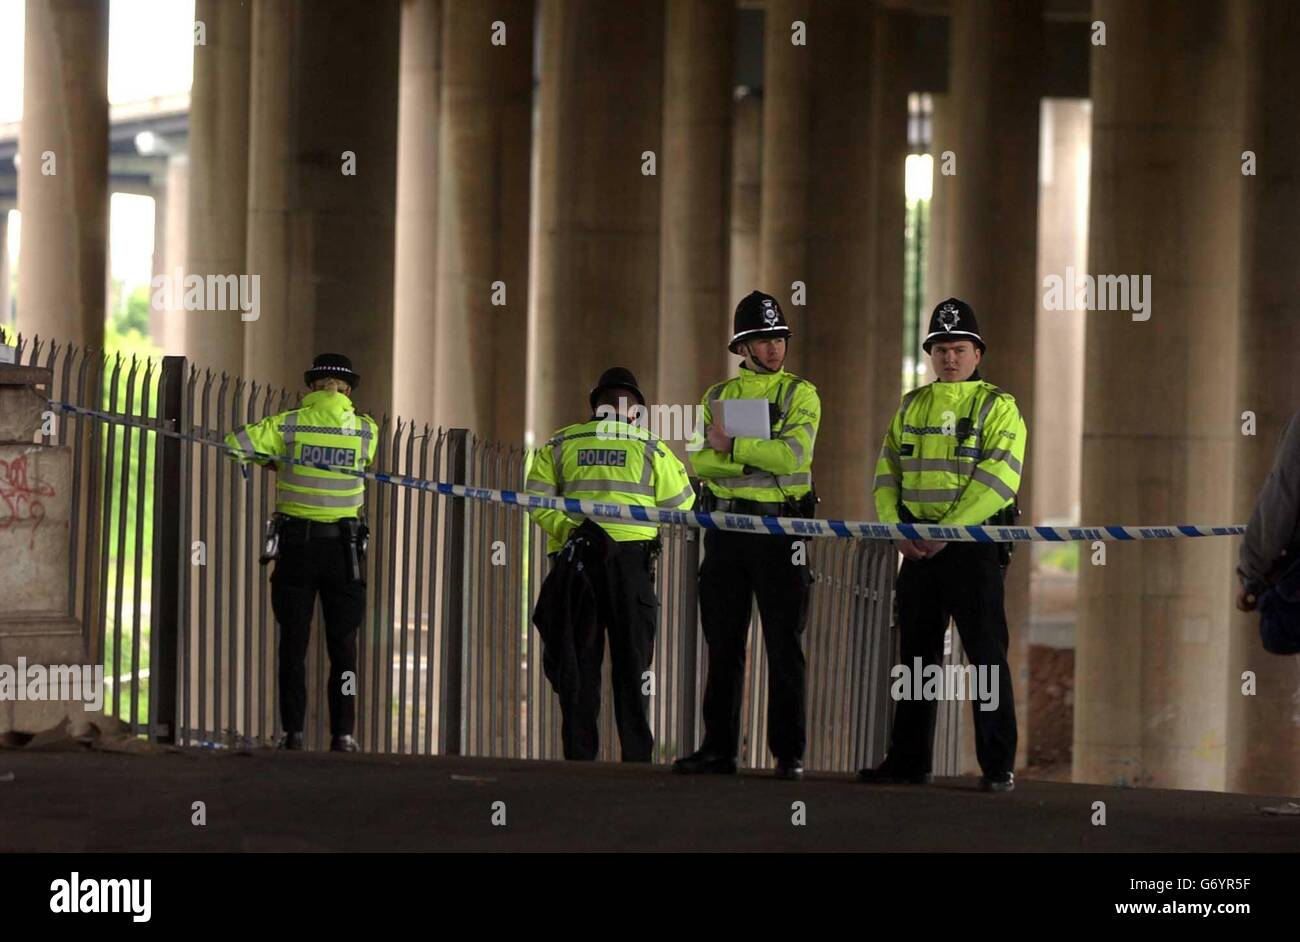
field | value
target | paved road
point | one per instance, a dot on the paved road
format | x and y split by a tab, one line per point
264	801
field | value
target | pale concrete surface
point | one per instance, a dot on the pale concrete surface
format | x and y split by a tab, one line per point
1155	674
695	302
64	212
595	260
215	207
1264	737
484	134
323	84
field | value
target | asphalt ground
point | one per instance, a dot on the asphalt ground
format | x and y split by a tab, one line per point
80	800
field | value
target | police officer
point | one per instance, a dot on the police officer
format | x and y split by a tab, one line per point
320	539
771	476
610	458
953	455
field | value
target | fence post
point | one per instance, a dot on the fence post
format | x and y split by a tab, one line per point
689	569
170	496
457	593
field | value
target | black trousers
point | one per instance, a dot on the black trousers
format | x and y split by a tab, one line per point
736	568
628	610
305	568
965	582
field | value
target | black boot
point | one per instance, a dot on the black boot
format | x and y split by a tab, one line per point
997	783
700	762
292	742
789	769
344	743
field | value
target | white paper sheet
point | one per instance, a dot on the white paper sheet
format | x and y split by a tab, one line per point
743	418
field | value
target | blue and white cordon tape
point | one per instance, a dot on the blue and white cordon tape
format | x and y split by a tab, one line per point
743	523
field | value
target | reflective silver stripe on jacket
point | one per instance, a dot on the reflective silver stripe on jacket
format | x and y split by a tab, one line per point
679	499
331	483
987	406
795	445
933	496
764	480
886	480
324	501
954	465
543	488
607	486
245	442
287	429
647	461
1002	454
993	483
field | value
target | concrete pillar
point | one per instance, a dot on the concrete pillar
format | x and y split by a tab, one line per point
1160	414
35	624
817	114
695	301
217	204
483	206
995	77
419	126
596	298
938	238
4	268
786	171
158	262
1263	730
893	49
64	130
180	326
1056	445
322	190
746	200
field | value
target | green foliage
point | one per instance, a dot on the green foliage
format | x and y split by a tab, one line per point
126	338
1063	558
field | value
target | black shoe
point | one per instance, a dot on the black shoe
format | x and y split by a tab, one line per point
886	774
998	783
789	769
705	763
291	742
344	743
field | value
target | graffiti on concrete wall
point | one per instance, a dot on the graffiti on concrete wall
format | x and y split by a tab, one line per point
20	498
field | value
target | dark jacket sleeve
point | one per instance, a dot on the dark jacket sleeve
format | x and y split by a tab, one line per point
1272	527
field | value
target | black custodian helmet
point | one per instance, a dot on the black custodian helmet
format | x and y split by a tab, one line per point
953	320
332	366
758	317
616	377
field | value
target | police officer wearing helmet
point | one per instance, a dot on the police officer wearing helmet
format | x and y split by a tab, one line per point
756	476
608	458
316	537
953	454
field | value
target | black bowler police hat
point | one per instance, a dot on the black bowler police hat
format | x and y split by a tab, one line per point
953	320
332	366
616	378
758	317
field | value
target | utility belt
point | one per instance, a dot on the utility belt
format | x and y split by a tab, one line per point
1006	517
805	506
351	531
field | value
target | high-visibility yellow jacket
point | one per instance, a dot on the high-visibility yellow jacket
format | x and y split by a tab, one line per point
607	460
324	430
924	467
767	470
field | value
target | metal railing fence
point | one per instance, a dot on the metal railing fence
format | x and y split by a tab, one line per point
164	576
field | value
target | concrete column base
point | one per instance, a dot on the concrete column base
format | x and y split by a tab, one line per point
45	641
